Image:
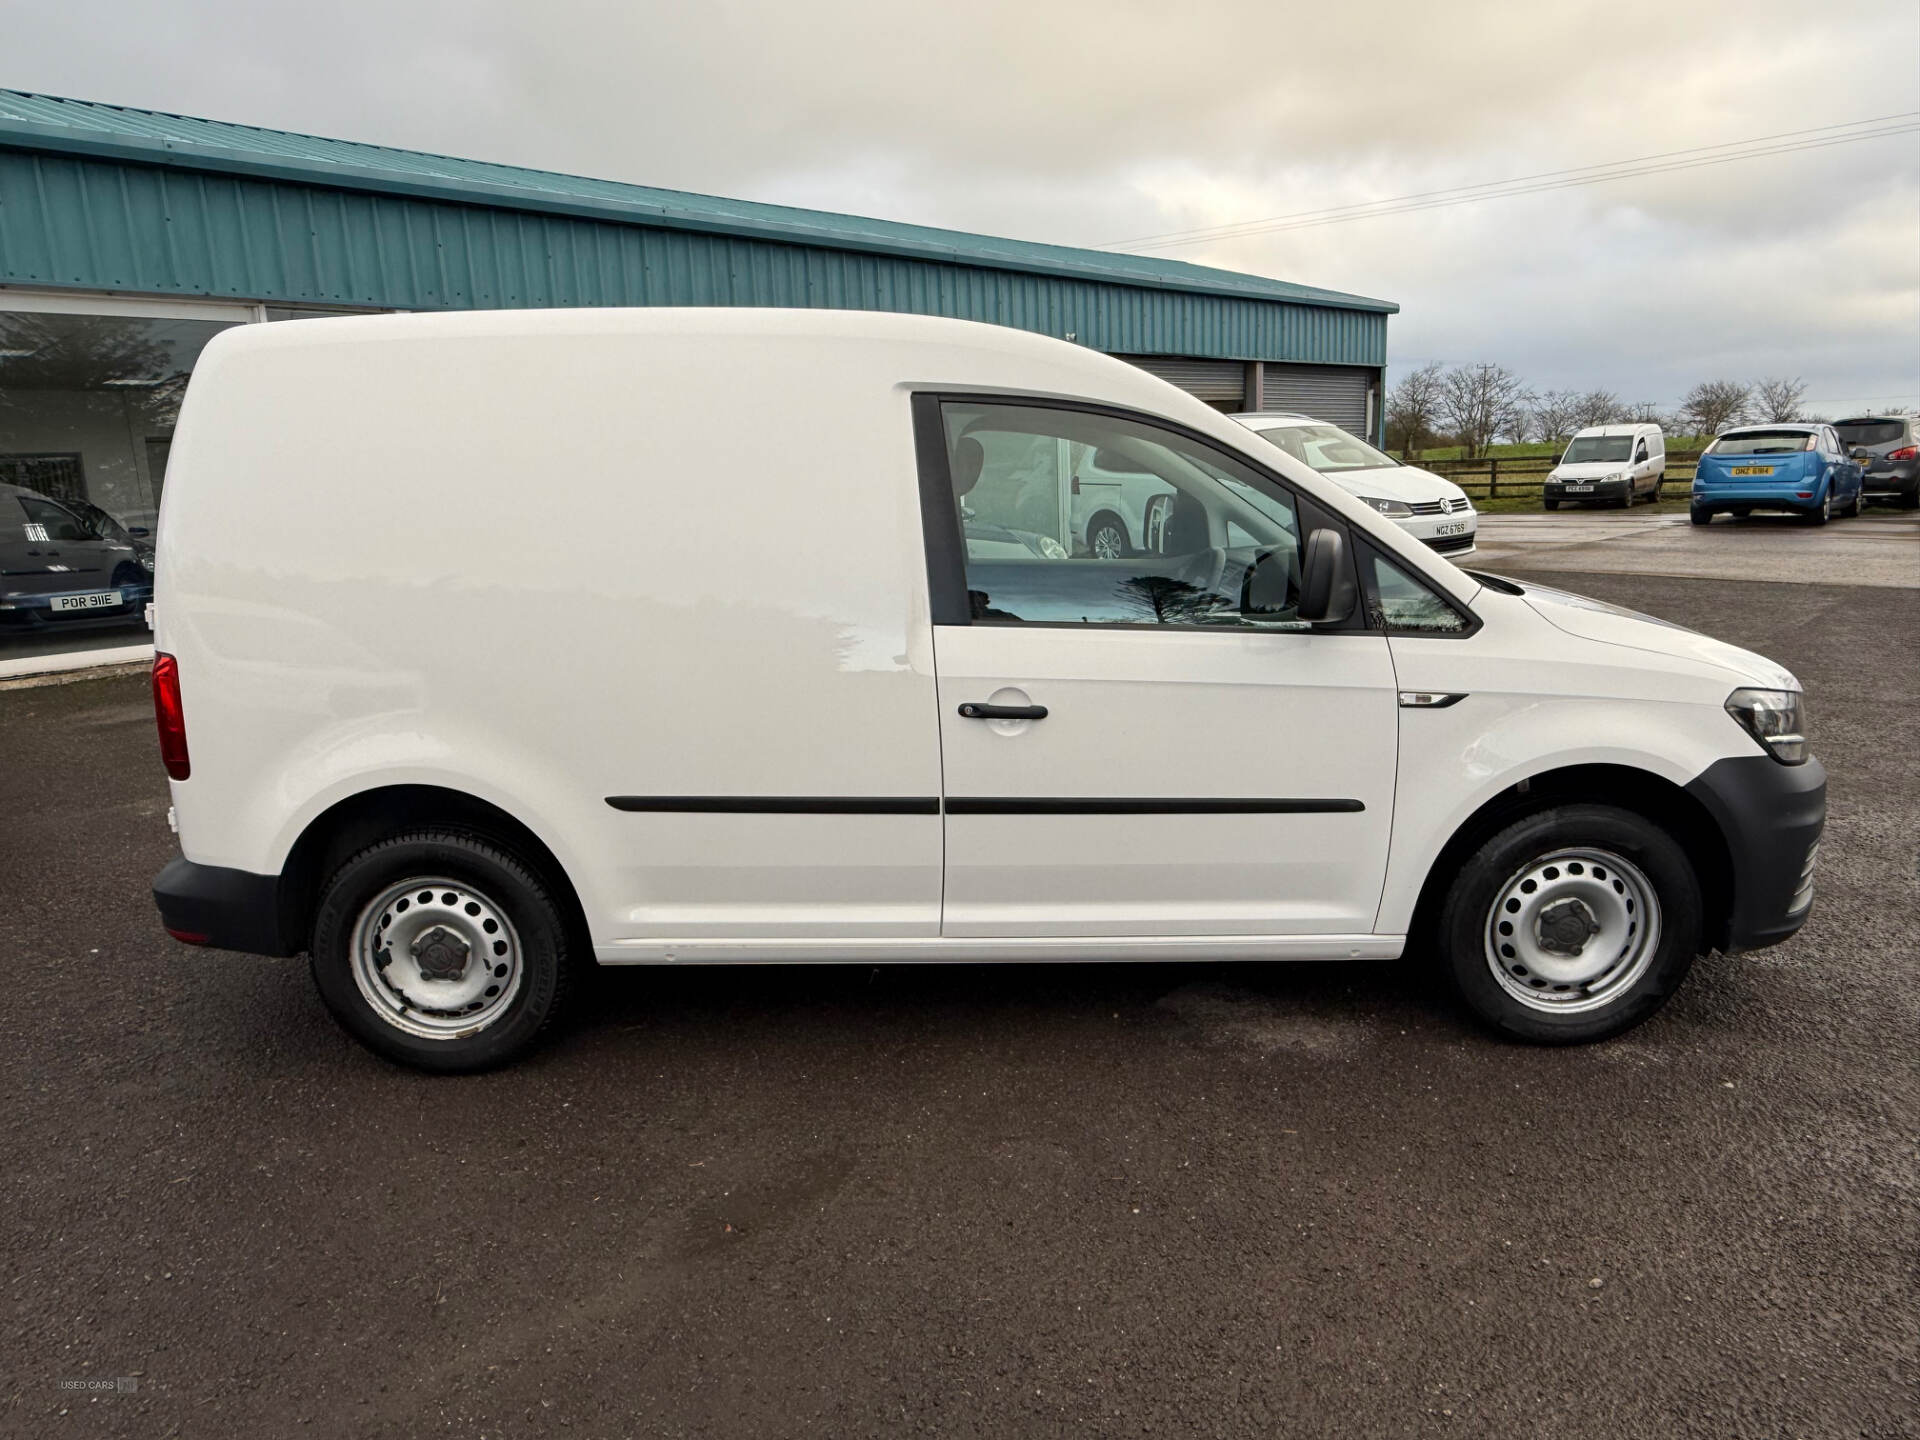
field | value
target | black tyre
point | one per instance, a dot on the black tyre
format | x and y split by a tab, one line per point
1551	504
1572	924
1859	504
1910	499
1822	512
1658	485
1699	516
441	951
1107	538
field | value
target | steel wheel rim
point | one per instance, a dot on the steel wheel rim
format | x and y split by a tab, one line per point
1534	945
1107	543
436	958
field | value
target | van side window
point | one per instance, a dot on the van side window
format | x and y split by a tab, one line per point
1073	518
1397	601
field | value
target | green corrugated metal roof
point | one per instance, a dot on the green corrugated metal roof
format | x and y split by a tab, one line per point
88	128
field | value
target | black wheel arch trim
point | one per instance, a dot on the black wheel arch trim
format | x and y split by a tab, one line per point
1769	815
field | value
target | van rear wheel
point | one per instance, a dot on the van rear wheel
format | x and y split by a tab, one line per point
439	950
1572	924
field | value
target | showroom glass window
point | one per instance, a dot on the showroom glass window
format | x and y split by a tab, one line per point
90	392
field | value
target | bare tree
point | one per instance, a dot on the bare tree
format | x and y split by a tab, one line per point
1713	405
1645	412
1479	402
1412	407
1552	414
1598	407
1777	398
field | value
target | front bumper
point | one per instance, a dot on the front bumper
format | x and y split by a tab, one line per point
221	908
1770	816
1571	490
35	607
1462	528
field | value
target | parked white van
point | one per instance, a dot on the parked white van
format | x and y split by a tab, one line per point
1610	464
491	643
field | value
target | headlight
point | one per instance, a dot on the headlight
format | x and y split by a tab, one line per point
1048	548
1776	718
1392	509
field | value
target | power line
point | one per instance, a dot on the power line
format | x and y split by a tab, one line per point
1817	138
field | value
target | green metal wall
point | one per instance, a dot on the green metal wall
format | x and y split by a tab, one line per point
108	225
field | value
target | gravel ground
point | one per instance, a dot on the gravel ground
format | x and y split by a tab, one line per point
1259	1200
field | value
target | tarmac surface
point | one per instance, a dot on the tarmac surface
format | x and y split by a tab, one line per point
1879	548
1093	1200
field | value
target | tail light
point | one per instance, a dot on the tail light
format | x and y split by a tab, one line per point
1910	452
170	717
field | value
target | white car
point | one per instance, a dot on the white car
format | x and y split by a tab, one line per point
828	687
1433	510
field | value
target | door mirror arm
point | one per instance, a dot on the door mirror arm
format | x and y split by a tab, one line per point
1327	589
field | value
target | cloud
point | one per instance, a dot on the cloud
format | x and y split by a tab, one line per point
1084	123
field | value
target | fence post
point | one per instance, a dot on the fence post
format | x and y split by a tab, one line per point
1493	477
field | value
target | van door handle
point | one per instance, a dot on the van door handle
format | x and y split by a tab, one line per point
980	710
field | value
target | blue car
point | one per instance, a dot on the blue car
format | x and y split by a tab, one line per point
1802	467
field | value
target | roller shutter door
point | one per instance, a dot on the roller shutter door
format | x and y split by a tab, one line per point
1218	382
1336	394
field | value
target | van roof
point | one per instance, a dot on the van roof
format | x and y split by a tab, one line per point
1631	427
662	320
744	325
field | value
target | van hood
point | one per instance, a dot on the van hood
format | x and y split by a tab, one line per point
1395	482
1610	625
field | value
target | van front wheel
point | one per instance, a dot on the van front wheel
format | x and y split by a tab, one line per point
1572	924
440	951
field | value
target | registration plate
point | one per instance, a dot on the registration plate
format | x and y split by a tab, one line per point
1578	489
1459	527
99	600
1750	470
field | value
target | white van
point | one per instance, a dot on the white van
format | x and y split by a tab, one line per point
491	643
1610	465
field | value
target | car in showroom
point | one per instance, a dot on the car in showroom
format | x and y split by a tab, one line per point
1433	510
1892	446
1803	468
1609	465
58	567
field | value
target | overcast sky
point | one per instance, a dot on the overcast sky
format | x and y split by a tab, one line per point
1088	123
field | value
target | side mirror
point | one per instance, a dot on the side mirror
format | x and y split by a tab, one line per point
1327	591
1859	452
1269	592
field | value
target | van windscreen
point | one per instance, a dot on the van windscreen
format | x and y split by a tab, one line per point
1588	448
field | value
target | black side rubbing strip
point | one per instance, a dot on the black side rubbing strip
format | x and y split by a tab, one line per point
1029	805
778	804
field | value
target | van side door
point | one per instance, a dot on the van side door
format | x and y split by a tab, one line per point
1154	744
